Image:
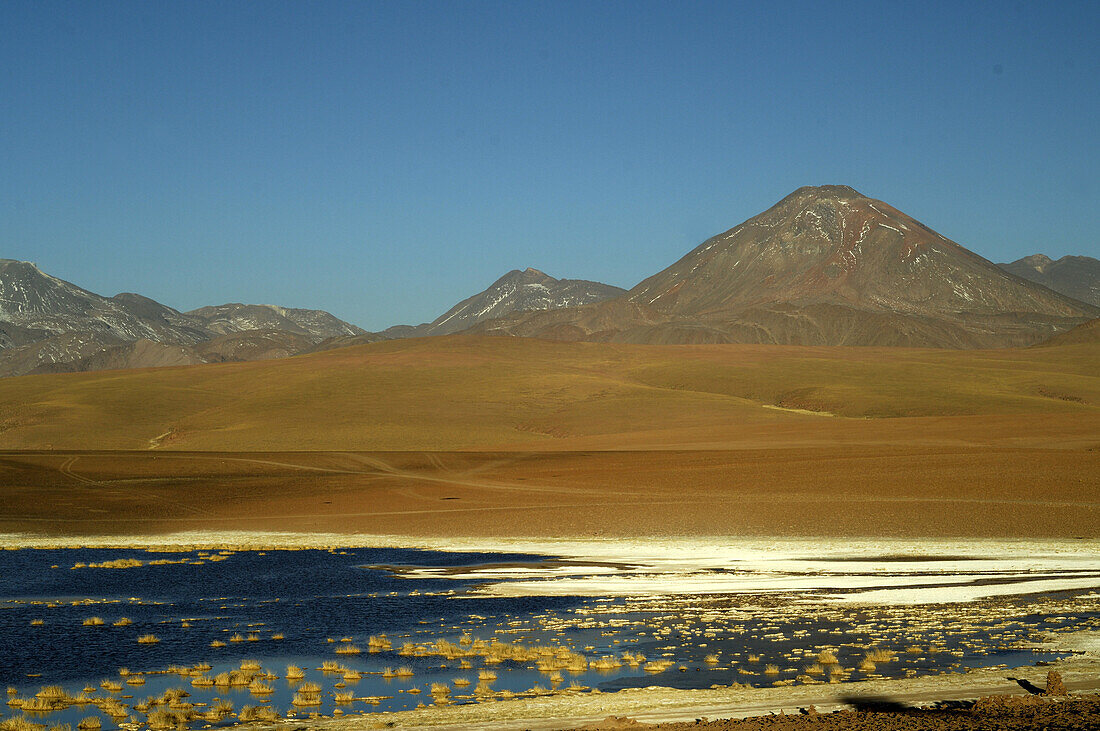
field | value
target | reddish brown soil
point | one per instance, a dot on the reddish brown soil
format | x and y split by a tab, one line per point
842	489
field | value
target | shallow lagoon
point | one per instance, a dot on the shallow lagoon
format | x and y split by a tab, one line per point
297	607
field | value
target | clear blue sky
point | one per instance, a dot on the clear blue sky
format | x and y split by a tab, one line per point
384	160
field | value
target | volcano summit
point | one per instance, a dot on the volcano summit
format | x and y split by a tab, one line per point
824	266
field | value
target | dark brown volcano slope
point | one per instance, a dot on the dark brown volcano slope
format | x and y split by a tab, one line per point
824	266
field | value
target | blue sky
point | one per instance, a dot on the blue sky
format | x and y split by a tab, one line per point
384	160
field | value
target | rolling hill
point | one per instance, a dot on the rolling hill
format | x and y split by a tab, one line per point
463	392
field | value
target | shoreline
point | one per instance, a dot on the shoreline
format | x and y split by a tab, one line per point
880	572
659	704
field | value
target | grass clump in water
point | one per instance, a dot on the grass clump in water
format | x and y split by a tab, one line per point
249	714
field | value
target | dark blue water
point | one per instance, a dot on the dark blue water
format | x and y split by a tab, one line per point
296	607
308	596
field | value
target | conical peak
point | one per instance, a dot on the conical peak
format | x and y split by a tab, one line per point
827	191
523	276
1038	262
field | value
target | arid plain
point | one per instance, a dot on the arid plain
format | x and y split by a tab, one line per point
469	436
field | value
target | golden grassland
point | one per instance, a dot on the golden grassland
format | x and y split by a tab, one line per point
499	436
483	393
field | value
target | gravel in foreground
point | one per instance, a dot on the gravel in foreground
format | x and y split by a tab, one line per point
1010	713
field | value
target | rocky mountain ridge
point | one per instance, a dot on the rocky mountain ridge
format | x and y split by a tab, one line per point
824	266
517	291
50	325
1073	276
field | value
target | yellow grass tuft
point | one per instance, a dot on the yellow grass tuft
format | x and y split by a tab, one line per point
52	693
293	672
20	723
259	687
771	670
306	699
148	640
93	622
348	649
250	714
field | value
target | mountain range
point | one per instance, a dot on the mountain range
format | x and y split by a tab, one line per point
1075	276
824	266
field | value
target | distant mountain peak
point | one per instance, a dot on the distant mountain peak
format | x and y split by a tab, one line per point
826	191
831	244
237	317
825	265
1038	262
518	291
1073	276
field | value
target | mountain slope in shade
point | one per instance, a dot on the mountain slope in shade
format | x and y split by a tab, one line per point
235	317
517	291
1073	276
824	266
1088	332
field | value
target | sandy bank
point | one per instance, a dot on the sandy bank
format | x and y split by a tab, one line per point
665	704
